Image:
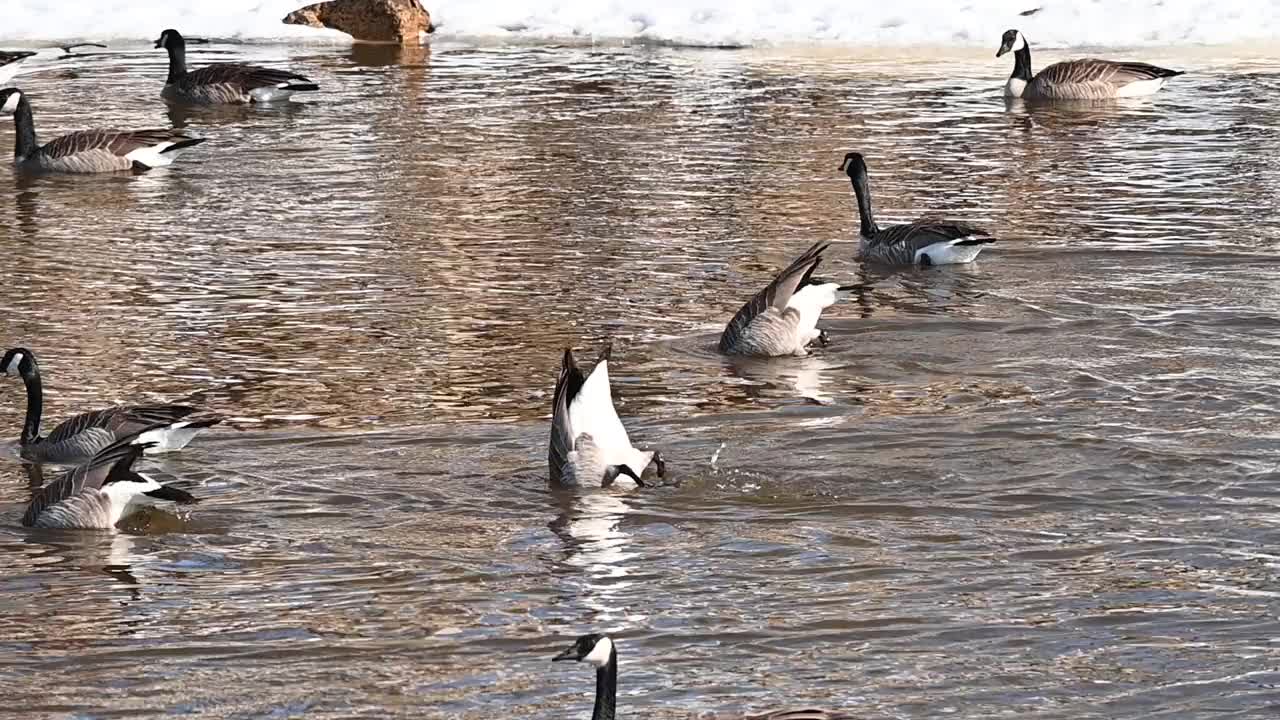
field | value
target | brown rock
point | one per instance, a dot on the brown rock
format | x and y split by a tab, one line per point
390	21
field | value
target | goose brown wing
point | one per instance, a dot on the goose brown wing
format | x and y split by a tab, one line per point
244	77
117	142
1094	70
923	233
568	385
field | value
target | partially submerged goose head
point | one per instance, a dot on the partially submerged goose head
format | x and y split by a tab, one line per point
18	362
594	648
1011	40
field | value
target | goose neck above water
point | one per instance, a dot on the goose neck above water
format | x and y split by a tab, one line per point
606	689
22	362
862	191
24	143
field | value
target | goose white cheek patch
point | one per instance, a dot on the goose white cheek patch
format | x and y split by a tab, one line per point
599	655
12	367
11	103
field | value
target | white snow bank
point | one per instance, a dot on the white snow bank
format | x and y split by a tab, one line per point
972	23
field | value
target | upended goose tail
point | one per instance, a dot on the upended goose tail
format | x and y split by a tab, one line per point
782	319
589	444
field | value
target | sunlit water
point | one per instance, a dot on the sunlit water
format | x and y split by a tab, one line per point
1039	486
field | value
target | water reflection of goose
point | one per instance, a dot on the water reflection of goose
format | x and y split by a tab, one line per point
588	525
782	319
589	446
808	378
600	652
112	555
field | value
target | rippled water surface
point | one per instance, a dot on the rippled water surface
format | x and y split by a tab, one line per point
1043	485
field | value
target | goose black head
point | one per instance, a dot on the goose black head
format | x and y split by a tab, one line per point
170	39
9	99
594	648
18	361
1010	41
853	165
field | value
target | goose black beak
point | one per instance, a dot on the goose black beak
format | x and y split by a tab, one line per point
1003	49
570	653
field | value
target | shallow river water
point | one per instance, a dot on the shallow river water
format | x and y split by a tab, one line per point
1043	485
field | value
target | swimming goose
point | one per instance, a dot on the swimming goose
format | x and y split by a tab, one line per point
782	319
100	493
79	438
924	242
224	82
89	151
599	650
1086	79
13	62
589	446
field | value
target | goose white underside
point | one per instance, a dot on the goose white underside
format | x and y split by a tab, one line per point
154	156
1141	88
271	94
810	301
1015	87
949	252
168	439
592	412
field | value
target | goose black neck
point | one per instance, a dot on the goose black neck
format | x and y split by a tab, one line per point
35	404
606	689
177	48
24	143
1022	62
863	192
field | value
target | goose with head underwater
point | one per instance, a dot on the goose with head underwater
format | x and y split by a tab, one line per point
100	493
222	83
89	151
601	652
924	242
77	439
1084	79
782	319
13	62
589	446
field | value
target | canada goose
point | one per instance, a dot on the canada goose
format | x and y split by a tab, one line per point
782	319
224	82
1085	79
79	438
99	493
599	650
924	242
13	62
89	151
589	445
